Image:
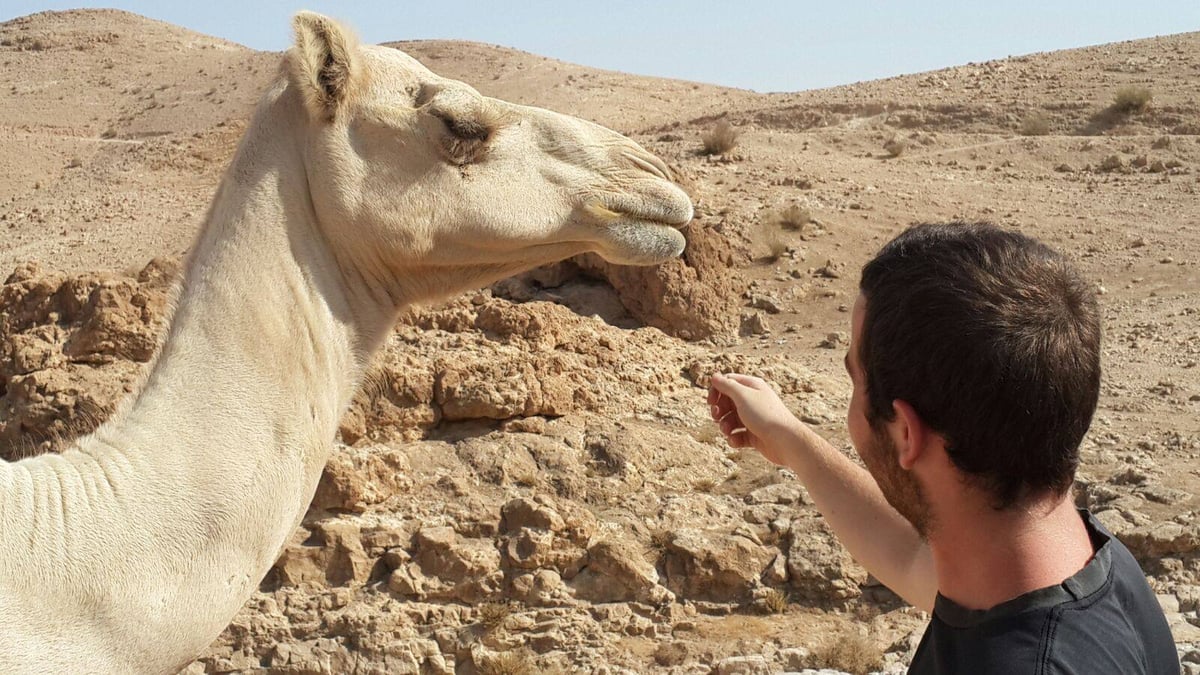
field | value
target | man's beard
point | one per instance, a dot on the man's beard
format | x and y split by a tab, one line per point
900	488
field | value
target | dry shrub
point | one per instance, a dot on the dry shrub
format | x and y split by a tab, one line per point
1131	99
492	615
708	434
704	484
848	652
1112	163
720	139
661	539
793	217
518	662
775	601
769	238
895	146
1036	124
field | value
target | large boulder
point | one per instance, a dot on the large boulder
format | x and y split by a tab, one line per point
71	347
819	568
695	296
715	566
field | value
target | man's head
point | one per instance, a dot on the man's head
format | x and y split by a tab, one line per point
991	339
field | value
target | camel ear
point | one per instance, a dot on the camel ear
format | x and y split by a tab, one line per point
324	63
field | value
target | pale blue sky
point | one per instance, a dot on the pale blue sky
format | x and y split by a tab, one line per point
756	44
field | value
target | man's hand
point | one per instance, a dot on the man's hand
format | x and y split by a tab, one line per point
750	414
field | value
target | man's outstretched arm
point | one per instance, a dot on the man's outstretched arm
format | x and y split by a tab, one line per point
751	414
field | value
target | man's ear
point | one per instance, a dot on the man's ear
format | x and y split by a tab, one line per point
909	433
324	63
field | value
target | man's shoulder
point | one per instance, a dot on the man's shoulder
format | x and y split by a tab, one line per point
1075	637
1102	619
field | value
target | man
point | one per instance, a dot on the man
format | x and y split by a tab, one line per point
975	360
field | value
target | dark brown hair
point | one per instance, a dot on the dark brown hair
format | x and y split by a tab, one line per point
994	339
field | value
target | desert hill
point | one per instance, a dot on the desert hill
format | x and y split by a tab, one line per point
611	530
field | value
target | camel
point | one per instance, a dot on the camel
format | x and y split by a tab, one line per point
364	183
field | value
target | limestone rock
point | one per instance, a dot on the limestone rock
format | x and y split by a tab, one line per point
357	478
742	665
119	322
819	568
440	553
540	588
714	566
395	403
693	297
332	556
523	512
71	348
1159	540
616	571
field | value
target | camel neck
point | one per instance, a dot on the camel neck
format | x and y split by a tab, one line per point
263	314
179	505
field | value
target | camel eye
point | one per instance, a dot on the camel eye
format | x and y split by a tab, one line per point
465	130
466	141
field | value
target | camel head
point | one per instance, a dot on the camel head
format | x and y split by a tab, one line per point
415	174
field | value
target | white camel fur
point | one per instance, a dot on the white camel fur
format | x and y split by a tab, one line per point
363	184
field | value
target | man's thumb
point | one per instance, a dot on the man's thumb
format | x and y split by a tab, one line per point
727	385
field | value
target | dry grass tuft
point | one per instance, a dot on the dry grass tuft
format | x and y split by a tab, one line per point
721	139
1036	124
775	601
793	217
492	615
661	539
1129	100
848	652
709	434
769	238
895	146
519	662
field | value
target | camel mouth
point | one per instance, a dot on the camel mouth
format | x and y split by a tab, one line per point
672	217
641	236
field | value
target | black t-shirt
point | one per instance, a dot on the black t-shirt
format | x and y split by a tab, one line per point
1102	620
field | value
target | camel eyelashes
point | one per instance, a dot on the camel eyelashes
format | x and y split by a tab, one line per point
466	130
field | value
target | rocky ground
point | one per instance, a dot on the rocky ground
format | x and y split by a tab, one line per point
529	483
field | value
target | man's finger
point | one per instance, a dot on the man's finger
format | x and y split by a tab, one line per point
726	385
748	380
